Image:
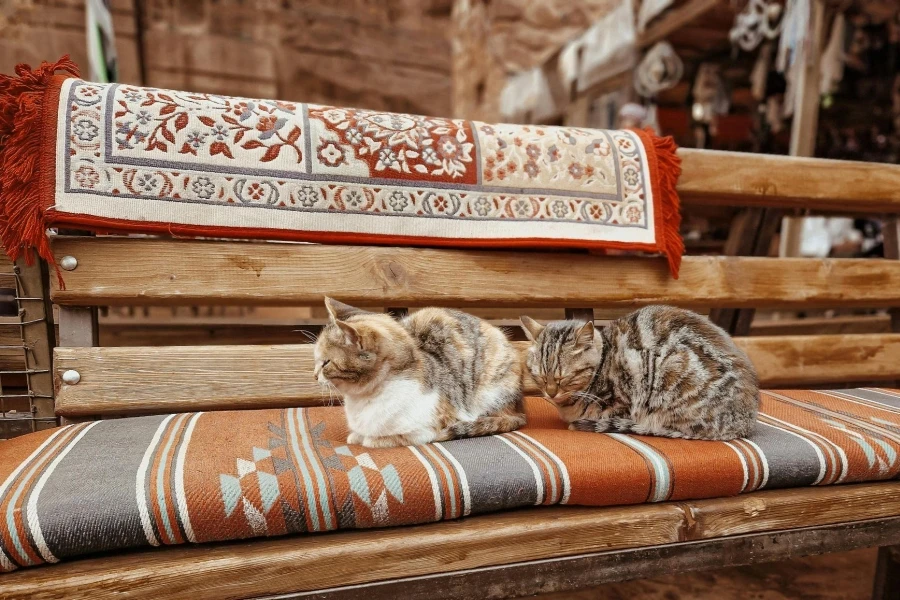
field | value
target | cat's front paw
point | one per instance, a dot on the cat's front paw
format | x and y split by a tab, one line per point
355	439
389	441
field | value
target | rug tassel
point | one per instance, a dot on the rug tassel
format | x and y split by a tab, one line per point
22	225
669	170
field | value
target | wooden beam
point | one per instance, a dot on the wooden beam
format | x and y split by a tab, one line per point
822	325
589	570
529	540
184	378
824	359
751	233
674	19
711	177
181	272
804	126
806	89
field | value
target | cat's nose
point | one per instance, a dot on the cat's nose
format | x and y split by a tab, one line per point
552	389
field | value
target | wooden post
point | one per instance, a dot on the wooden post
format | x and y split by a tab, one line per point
751	234
806	117
891	235
887	574
78	327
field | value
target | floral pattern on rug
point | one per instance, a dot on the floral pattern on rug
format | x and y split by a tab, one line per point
146	143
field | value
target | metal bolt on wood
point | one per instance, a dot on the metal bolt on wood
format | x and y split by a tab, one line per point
68	263
71	377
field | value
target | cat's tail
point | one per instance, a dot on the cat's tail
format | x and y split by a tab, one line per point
605	425
622	425
486	425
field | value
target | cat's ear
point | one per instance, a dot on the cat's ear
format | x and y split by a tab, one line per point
584	337
351	335
531	327
340	311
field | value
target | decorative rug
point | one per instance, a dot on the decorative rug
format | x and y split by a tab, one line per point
128	159
172	479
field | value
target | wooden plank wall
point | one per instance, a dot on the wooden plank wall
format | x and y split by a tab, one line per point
392	55
46	29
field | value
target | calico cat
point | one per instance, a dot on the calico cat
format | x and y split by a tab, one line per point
432	376
658	371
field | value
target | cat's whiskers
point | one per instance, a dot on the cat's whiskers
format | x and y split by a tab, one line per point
587	396
310	336
336	398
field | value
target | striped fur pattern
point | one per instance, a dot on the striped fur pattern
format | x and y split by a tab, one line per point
660	371
435	375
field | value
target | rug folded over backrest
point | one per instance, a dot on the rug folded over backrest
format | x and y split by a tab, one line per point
128	159
200	477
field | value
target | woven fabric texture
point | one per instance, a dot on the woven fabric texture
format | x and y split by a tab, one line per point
127	159
200	477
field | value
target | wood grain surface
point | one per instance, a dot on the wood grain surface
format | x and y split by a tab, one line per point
181	378
304	563
119	271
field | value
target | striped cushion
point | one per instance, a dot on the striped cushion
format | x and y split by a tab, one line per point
171	479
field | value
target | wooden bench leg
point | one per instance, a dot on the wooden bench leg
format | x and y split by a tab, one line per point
887	574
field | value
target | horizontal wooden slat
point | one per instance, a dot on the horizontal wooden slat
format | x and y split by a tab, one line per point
181	378
824	359
822	325
315	562
141	271
739	179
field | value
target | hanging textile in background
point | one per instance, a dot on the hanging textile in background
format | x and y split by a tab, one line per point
649	10
760	20
833	57
660	69
528	94
792	48
607	49
129	159
101	42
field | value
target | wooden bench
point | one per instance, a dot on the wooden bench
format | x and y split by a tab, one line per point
496	555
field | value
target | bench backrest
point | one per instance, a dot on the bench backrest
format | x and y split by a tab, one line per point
165	272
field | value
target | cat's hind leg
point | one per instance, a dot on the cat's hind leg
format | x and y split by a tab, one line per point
486	425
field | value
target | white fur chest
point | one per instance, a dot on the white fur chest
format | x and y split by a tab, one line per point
401	407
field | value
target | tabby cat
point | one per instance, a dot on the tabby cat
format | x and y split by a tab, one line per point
658	371
432	376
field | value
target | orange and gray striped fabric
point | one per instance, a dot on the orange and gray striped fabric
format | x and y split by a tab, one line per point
201	477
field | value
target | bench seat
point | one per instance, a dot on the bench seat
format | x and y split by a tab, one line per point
113	485
497	555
